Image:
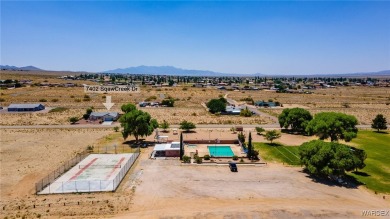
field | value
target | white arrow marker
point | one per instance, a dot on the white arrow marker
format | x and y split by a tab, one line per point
108	103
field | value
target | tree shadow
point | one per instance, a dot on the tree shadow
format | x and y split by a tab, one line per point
361	173
382	132
273	144
141	143
347	181
189	131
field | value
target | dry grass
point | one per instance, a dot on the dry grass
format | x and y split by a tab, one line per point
364	102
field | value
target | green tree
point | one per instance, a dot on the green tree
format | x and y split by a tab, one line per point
250	146
187	126
241	137
334	125
272	135
246	112
326	159
87	113
168	102
216	105
137	123
260	130
379	122
73	120
297	118
164	125
128	107
116	128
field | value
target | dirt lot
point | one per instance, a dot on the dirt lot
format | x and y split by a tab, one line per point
167	189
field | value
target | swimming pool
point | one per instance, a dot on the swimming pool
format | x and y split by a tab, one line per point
220	151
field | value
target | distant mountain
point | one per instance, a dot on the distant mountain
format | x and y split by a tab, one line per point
14	68
385	73
168	70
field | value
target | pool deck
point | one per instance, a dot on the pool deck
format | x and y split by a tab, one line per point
203	150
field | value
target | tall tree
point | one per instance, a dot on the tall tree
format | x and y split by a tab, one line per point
330	158
216	105
181	146
164	125
333	125
379	122
187	126
297	118
137	123
128	107
250	146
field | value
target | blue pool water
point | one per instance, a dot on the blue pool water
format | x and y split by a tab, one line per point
220	151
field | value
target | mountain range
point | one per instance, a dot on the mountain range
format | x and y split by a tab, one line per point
170	70
167	70
25	68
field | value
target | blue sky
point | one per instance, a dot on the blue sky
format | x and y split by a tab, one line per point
273	37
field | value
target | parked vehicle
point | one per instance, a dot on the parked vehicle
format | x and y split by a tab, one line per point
233	167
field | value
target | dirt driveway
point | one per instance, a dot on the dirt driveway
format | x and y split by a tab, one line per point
166	189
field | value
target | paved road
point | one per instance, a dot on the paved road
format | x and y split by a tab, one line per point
267	126
254	110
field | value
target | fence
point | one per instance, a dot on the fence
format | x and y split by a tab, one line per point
90	185
212	141
47	180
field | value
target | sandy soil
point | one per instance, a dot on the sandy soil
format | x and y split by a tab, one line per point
167	189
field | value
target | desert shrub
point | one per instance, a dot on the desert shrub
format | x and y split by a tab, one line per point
58	110
2	100
249	100
116	128
86	99
54	100
206	157
168	102
77	100
73	120
90	147
187	126
198	160
259	130
194	114
242	160
235	157
71	96
42	100
184	88
246	112
186	159
151	98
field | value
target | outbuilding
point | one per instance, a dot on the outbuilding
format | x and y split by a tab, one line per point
25	107
167	150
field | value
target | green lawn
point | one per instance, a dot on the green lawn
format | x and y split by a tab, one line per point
276	152
376	174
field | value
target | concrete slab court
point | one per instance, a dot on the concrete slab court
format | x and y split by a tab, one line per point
95	173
